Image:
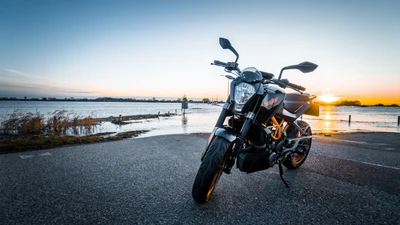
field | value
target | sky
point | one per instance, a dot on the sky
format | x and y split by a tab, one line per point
163	49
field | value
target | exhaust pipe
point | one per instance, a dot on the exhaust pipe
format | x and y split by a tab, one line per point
295	142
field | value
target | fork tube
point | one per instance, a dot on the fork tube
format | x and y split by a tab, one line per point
246	126
224	113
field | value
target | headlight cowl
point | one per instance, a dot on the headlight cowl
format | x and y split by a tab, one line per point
243	93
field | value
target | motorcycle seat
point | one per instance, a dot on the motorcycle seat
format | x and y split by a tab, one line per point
294	101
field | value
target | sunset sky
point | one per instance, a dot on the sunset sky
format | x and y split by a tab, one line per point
163	49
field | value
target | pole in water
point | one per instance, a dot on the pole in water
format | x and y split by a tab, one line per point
349	120
398	121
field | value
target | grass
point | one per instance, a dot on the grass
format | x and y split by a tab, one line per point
32	131
35	142
58	122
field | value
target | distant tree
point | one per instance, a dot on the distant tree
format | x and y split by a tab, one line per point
380	104
206	100
349	103
394	105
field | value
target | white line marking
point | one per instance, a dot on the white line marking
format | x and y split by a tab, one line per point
367	163
26	156
45	154
364	143
374	164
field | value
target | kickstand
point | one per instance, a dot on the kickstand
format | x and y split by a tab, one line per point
281	175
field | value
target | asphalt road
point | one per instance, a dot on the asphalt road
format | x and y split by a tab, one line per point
346	179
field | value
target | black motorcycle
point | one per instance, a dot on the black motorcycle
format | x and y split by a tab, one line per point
258	126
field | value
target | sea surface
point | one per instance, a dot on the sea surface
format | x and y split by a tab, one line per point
201	117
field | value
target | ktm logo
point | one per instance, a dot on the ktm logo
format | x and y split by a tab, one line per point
270	102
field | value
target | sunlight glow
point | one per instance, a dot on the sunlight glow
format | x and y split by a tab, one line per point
328	98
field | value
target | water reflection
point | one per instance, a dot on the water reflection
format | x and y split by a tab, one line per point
327	121
184	122
329	118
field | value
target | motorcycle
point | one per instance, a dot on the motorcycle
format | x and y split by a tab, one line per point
258	126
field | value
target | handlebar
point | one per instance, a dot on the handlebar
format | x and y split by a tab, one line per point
229	66
268	76
295	86
218	63
285	82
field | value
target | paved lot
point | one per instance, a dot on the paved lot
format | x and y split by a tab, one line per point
347	179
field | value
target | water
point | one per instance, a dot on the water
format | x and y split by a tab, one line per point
362	119
202	117
98	109
199	117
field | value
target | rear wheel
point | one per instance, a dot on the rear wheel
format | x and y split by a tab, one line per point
210	170
299	155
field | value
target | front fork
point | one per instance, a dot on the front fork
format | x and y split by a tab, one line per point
219	125
235	140
237	144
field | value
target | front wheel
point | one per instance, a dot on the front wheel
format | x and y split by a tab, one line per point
299	155
210	170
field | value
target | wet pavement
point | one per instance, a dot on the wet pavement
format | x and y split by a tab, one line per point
346	179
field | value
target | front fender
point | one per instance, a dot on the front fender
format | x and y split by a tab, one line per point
222	132
218	132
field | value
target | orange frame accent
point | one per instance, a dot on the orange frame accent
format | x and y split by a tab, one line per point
278	133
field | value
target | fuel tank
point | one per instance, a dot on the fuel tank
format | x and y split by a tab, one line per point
272	103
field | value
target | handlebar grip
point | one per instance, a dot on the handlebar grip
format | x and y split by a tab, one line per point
219	63
295	86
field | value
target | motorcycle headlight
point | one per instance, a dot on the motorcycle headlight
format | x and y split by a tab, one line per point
243	92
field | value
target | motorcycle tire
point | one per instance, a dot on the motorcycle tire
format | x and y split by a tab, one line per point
210	170
299	156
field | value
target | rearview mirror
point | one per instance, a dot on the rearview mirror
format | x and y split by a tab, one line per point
304	67
226	44
307	67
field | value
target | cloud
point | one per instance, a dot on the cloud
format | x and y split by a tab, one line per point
21	73
18	89
79	92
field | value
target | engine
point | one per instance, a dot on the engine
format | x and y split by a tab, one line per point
256	154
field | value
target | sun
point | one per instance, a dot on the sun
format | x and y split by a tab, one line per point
328	98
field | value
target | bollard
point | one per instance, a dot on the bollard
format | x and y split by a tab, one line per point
398	121
349	120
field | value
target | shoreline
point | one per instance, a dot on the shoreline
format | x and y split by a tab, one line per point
122	118
125	127
389	138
